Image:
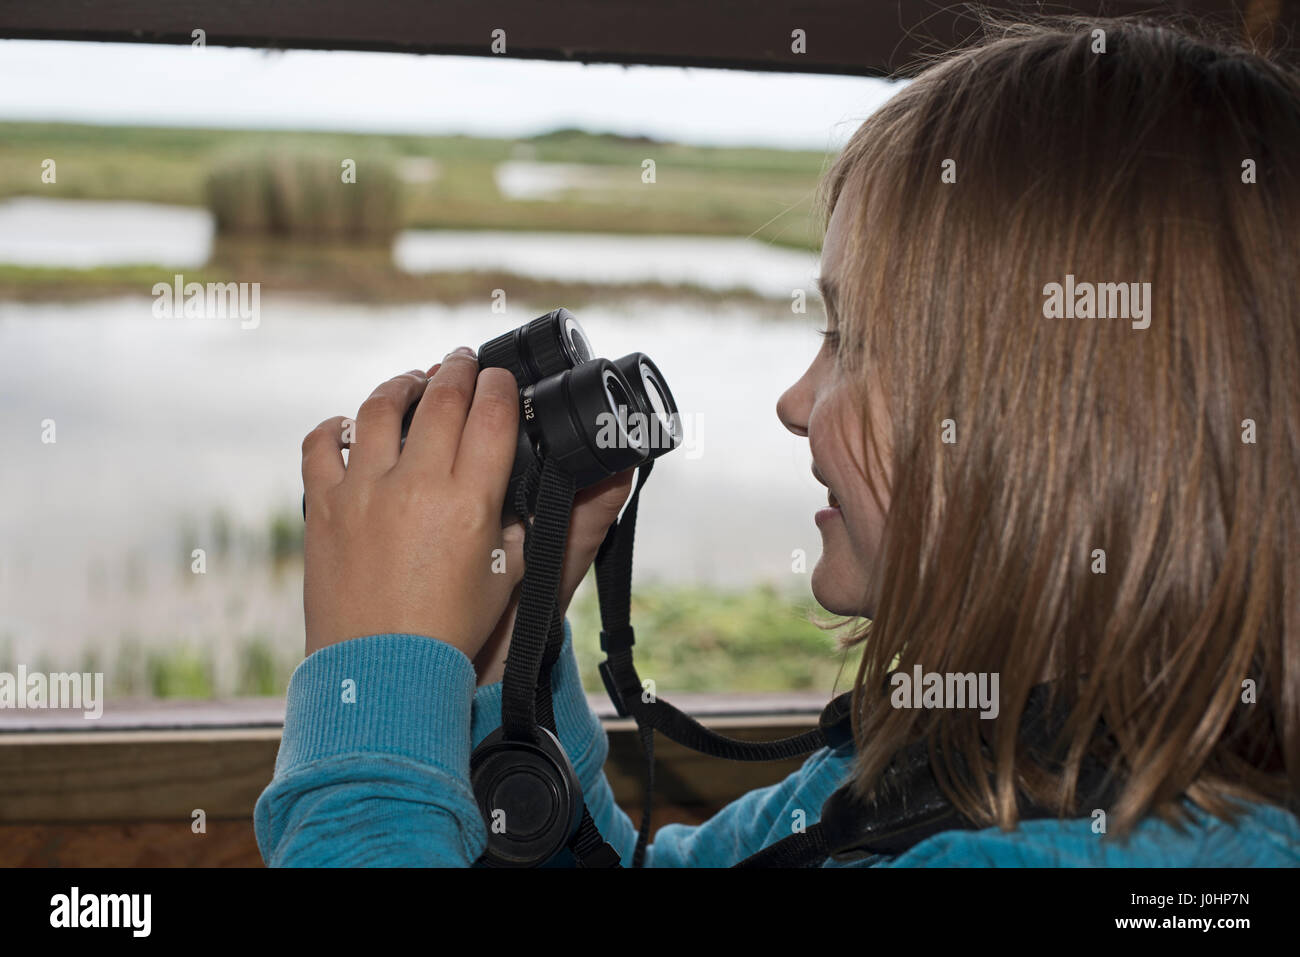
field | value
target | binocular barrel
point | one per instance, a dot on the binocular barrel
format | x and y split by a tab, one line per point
595	417
544	347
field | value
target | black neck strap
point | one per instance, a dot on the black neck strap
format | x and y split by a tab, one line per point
614	585
544	543
538	635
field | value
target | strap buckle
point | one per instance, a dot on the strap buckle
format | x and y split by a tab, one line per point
620	638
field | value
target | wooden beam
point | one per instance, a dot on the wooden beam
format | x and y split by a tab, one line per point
864	37
130	844
174	714
133	775
124	798
102	776
172	844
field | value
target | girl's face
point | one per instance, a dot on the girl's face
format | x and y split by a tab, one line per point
821	405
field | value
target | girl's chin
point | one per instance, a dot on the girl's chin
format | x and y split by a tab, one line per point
825	590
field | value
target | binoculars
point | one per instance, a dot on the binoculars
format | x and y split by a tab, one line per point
593	417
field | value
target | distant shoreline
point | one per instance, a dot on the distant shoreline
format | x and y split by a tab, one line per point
446	183
361	286
449	182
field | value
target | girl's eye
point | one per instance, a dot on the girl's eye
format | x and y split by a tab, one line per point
832	337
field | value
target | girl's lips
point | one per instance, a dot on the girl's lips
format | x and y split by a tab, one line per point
826	515
818	476
833	511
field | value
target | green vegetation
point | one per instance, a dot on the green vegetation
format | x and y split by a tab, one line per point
62	283
689	639
307	196
286	530
763	193
261	673
287	220
697	639
352	273
183	671
178	673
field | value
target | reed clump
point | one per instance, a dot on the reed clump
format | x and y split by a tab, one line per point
306	196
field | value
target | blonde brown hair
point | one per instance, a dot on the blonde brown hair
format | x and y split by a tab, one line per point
1075	435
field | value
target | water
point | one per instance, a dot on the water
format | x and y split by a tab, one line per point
83	234
711	262
523	179
160	424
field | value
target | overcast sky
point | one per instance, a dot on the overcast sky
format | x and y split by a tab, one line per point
396	92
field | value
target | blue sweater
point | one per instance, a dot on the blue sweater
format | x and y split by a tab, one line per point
383	780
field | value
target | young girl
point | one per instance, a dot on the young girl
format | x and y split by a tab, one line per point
1058	414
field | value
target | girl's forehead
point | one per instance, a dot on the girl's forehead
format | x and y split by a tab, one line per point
835	241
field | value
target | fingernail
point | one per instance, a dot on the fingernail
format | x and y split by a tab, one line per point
466	350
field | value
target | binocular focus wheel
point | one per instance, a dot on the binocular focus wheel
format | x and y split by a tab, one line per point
529	797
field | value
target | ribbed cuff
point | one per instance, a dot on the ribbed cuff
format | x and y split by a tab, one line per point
579	729
387	694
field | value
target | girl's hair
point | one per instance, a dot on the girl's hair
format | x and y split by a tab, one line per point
1111	507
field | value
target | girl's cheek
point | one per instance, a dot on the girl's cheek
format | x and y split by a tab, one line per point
864	516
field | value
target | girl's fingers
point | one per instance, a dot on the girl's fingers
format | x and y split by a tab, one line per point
491	434
378	439
512	543
436	428
490	662
594	510
596	507
322	456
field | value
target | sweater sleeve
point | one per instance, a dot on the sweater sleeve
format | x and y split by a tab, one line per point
373	767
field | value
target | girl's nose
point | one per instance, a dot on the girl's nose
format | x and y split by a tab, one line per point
792	409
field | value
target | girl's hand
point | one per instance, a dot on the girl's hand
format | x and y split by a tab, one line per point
407	544
594	511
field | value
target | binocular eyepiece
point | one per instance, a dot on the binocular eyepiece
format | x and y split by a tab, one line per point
594	417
